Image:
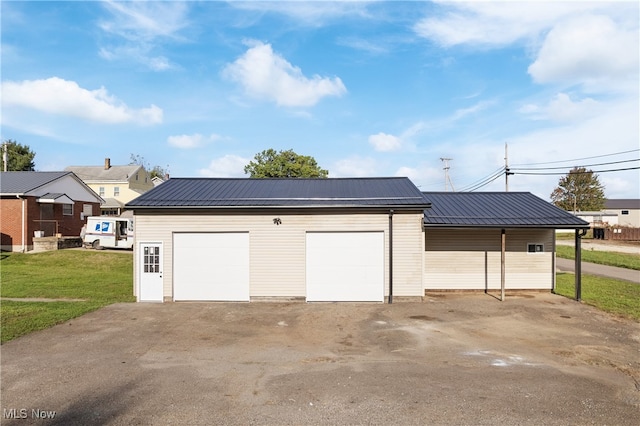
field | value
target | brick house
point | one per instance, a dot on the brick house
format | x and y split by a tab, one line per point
48	202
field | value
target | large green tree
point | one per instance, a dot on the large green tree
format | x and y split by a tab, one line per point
19	157
284	164
579	190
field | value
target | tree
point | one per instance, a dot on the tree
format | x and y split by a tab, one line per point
20	157
580	190
158	171
284	164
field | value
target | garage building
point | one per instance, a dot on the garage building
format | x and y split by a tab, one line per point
207	239
327	240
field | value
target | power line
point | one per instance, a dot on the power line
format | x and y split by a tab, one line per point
578	159
585	172
583	165
485	181
499	171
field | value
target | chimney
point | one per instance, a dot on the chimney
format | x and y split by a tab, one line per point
107	163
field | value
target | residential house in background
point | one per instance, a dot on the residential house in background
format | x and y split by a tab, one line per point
627	210
43	204
117	185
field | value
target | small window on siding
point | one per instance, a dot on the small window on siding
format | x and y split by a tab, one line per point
535	248
116	191
101	191
625	211
67	209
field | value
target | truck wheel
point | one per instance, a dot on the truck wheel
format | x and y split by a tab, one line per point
96	245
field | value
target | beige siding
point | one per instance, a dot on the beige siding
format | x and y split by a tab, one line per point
471	259
277	252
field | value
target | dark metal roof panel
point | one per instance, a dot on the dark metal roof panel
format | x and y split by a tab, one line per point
496	209
295	192
23	182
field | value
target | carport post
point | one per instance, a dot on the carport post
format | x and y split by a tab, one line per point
390	256
503	239
578	264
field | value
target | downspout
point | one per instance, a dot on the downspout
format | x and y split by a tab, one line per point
578	264
390	256
502	263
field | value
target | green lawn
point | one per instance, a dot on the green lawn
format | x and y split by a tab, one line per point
99	278
623	260
617	297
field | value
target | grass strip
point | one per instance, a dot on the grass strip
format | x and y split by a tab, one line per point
20	318
622	260
617	297
99	278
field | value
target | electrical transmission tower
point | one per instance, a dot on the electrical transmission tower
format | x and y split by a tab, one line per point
447	179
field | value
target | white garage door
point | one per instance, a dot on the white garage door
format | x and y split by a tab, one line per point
345	267
211	266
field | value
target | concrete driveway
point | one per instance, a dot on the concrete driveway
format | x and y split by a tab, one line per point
536	358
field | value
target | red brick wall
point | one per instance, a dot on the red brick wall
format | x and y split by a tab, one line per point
11	225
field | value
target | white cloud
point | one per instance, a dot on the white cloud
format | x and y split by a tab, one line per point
62	97
589	43
384	142
191	141
354	166
562	108
138	27
310	13
492	23
227	166
267	75
587	49
145	20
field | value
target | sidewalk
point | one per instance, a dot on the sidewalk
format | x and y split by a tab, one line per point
599	270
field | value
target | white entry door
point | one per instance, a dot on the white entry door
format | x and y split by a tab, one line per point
150	259
345	266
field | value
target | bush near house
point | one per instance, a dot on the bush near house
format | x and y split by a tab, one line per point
97	278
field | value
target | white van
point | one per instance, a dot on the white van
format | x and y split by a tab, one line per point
109	232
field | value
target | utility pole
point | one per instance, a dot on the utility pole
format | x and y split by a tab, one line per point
446	168
506	168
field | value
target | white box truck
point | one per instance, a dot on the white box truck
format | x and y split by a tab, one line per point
108	232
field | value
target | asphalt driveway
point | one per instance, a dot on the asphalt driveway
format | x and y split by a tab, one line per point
536	358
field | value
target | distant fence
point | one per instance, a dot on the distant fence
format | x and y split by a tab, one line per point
617	234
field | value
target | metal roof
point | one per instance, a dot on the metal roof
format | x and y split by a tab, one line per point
287	193
496	210
23	182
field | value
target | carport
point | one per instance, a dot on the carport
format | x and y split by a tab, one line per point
511	235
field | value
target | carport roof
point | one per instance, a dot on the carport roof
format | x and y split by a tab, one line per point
398	193
496	210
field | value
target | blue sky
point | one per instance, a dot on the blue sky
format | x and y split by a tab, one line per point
367	88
